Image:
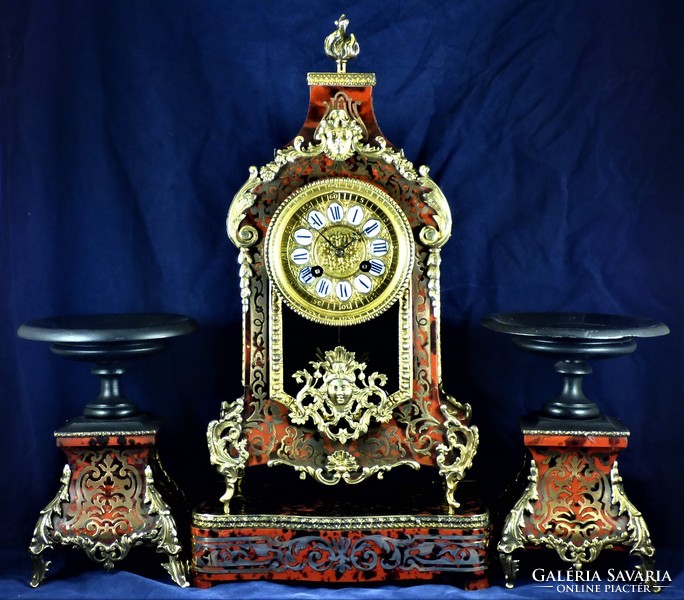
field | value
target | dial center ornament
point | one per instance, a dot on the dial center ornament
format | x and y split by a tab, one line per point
339	251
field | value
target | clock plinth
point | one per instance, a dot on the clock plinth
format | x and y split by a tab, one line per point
339	239
380	530
324	544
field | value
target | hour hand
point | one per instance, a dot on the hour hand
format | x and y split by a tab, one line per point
354	237
318	232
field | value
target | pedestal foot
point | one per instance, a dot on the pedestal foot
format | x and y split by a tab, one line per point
40	569
509	567
178	569
107	504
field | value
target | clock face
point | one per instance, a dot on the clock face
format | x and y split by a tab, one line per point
339	251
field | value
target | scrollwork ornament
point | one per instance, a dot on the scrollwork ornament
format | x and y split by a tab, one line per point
227	450
334	473
455	455
429	236
166	538
339	398
436	200
44	533
390	156
639	537
242	201
511	536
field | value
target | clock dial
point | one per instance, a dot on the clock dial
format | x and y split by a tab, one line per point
339	251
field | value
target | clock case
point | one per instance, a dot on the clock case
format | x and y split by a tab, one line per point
391	505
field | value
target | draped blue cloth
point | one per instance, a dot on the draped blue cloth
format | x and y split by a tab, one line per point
555	129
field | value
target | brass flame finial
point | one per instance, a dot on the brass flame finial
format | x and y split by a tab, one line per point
341	47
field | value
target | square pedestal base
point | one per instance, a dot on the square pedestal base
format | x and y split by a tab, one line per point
574	502
113	497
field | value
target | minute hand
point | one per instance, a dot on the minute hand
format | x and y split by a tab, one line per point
325	237
319	232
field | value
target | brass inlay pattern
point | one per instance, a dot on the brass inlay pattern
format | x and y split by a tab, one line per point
347	523
369	554
342	79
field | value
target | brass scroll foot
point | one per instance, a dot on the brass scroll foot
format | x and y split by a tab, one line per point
166	538
509	567
227	449
43	534
178	569
40	569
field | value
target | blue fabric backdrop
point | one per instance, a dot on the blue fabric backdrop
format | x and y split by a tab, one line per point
556	130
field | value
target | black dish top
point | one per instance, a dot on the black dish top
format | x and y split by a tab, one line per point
107	328
574	325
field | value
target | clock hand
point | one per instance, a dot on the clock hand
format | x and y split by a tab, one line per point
326	239
339	252
318	232
355	236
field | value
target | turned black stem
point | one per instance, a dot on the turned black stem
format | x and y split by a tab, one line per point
571	403
111	403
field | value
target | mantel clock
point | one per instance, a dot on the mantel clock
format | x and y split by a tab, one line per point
339	243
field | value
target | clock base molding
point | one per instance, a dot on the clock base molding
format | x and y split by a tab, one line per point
341	549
